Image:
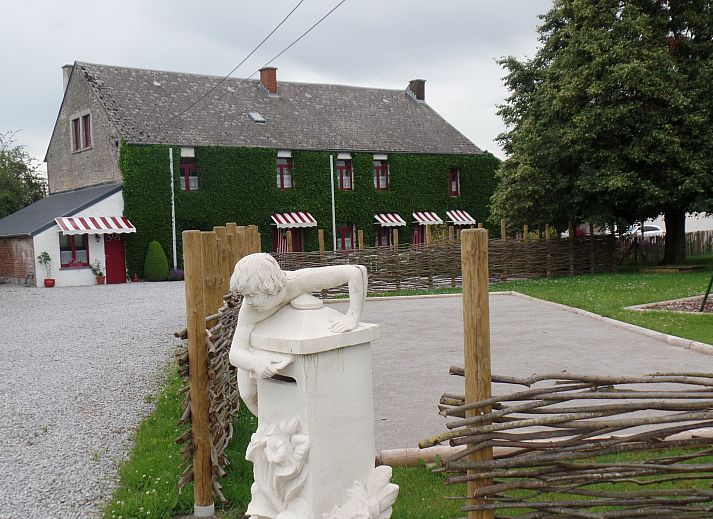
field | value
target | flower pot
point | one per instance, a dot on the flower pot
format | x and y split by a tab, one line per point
100	280
49	282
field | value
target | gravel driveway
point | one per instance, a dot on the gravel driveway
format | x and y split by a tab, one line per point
77	364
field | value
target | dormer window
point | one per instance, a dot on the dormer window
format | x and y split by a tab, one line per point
81	128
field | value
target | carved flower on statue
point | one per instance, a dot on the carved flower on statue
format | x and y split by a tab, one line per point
278	451
371	501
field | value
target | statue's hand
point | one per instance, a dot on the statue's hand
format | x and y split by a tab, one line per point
342	324
267	366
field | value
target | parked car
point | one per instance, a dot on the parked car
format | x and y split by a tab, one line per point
650	231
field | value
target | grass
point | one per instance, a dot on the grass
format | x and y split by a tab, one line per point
148	479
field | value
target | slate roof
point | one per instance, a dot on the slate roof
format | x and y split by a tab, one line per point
40	215
302	116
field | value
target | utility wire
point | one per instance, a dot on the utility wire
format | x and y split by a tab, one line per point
290	45
207	92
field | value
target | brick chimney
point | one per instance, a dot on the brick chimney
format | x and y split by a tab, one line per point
66	72
418	88
268	79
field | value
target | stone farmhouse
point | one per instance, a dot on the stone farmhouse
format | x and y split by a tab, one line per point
258	152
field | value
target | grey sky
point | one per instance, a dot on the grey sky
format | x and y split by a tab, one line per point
452	44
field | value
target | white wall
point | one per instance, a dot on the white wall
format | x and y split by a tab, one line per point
701	222
49	241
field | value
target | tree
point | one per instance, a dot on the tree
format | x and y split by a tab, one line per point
19	183
612	120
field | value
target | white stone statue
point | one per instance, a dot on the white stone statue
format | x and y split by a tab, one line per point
266	288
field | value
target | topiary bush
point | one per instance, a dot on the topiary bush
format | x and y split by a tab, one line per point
156	263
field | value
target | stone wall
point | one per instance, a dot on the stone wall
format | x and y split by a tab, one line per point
17	261
67	169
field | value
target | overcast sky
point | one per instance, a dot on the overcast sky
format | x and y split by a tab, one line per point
453	44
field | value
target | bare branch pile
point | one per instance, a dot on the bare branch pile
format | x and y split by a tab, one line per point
586	446
222	389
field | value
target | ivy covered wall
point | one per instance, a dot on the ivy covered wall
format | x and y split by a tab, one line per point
238	185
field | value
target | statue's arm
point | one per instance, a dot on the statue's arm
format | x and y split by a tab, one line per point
314	279
243	356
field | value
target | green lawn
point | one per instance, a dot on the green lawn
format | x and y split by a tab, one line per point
148	479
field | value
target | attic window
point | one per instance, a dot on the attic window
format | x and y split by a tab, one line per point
257	117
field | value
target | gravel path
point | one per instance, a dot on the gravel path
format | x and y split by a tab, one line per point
77	365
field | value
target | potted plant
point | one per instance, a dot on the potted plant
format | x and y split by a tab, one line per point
98	271
46	260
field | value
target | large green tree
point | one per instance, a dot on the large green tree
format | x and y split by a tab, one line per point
19	183
612	120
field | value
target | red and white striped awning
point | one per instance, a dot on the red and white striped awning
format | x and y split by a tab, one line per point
389	220
459	217
427	218
294	219
95	225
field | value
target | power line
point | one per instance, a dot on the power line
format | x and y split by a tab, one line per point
236	66
290	45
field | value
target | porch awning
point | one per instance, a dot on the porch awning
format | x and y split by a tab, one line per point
95	225
459	217
389	220
294	219
427	218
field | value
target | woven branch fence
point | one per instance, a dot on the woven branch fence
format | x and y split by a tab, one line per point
572	444
439	265
650	251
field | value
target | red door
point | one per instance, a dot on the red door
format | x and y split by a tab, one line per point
115	259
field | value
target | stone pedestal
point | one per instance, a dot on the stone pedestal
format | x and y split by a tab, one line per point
316	421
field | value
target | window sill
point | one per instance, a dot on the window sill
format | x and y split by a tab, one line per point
83	149
74	267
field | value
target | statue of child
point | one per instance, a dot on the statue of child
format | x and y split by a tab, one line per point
266	288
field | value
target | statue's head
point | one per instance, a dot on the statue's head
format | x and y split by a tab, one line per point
257	275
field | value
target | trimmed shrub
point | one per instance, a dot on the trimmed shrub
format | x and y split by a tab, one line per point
156	263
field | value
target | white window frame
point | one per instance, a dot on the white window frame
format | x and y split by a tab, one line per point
82	131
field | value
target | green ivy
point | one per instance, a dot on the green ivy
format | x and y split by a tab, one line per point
238	185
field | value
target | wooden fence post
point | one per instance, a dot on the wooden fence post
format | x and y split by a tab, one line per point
289	240
198	374
476	334
548	266
593	260
525	236
212	275
320	237
504	237
360	239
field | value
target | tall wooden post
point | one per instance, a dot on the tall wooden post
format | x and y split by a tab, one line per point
198	374
360	238
451	234
224	267
480	225
395	241
503	229
427	235
476	334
